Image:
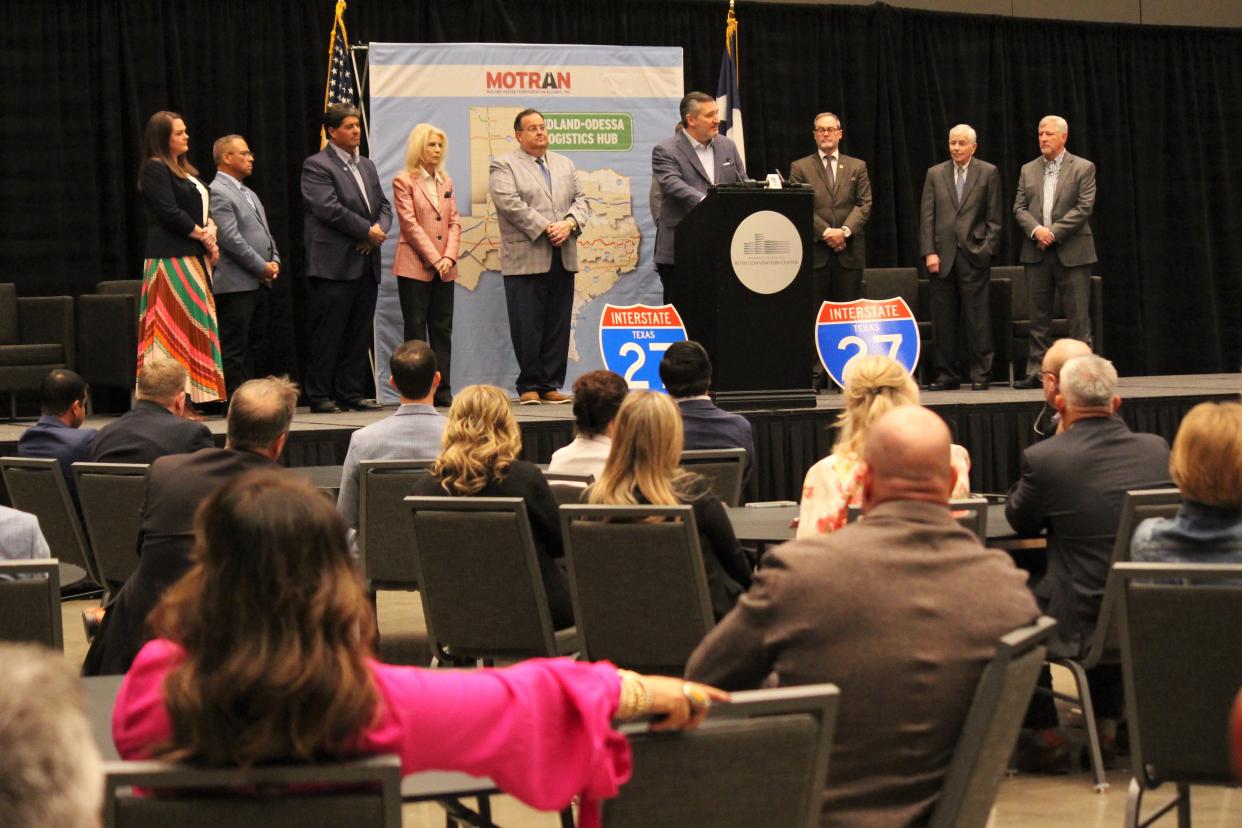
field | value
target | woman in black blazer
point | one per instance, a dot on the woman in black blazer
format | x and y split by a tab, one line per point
178	311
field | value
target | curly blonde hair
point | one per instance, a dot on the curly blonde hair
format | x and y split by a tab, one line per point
874	385
481	440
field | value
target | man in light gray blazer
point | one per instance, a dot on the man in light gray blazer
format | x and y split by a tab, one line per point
959	233
684	166
249	261
541	209
1056	194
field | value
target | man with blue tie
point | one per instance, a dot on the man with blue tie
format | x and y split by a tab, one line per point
1056	195
249	261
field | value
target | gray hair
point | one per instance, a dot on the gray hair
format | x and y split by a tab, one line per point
161	380
1088	382
815	120
261	412
221	146
968	129
691	103
49	765
1057	121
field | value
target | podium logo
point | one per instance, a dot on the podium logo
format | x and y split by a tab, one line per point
766	252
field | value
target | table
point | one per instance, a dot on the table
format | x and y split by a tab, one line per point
326	479
70	574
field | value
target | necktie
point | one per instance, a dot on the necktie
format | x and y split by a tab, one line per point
961	183
1050	189
830	167
547	175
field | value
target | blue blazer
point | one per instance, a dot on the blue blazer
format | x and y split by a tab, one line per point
51	438
337	217
707	427
246	243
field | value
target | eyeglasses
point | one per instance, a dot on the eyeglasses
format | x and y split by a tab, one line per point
826	130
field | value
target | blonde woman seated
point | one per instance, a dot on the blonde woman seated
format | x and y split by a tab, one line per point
642	469
873	386
478	458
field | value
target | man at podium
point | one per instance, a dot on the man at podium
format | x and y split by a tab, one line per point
684	166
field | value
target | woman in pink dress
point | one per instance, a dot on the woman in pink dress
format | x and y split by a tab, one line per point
263	655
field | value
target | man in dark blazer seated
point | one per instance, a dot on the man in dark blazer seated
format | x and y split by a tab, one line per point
1072	485
959	233
347	219
1055	198
249	261
686	371
258	425
59	434
842	207
684	166
901	610
154	427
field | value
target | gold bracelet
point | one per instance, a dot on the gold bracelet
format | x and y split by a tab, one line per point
635	697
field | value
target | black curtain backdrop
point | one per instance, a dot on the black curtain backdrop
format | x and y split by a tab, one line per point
1154	108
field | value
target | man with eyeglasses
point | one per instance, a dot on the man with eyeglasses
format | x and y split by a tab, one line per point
842	207
541	209
1056	194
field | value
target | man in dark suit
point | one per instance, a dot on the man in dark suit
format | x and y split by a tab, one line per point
347	219
249	261
686	371
959	233
1056	194
155	426
684	166
59	434
843	608
1072	485
258	426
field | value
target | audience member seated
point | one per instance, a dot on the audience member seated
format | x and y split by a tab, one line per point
59	434
597	396
874	385
642	469
1206	464
20	537
901	610
237	678
413	431
259	416
686	372
1072	485
49	766
479	459
155	426
1048	422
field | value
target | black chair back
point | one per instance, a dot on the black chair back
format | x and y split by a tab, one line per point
568	488
30	602
112	496
722	468
37	486
384	526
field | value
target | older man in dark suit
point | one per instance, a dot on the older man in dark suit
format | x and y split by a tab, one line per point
1055	198
259	417
683	167
901	610
347	219
155	426
959	233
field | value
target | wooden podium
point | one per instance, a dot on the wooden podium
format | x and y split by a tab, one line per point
732	250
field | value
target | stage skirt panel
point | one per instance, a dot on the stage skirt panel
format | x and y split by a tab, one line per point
178	321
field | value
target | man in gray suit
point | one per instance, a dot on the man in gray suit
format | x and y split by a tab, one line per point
541	210
249	261
959	233
684	166
1056	194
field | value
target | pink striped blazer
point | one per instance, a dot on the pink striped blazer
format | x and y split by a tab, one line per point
427	232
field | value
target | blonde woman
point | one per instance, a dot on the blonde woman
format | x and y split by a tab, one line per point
642	469
478	458
874	385
426	260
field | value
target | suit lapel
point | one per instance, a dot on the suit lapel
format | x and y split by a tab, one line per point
950	181
1066	163
972	178
690	155
349	177
418	188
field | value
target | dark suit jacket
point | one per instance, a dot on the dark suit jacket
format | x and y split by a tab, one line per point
848	204
526	481
705	426
178	484
972	227
1073	201
337	217
174	207
147	432
683	182
49	437
901	610
1072	485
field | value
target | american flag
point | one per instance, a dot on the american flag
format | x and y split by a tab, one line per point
341	87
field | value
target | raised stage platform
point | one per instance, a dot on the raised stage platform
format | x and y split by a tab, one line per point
994	425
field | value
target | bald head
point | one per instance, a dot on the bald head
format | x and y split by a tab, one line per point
1061	352
907	456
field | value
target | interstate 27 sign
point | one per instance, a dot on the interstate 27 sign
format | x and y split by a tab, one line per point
633	339
865	327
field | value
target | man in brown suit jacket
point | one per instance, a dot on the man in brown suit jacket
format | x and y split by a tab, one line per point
901	610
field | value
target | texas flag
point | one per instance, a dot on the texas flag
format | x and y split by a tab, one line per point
728	94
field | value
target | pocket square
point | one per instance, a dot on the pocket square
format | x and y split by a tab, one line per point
727	163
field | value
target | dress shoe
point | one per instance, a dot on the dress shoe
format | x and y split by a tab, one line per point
529	398
1036	755
443	399
980	385
324	407
361	405
92	620
556	398
1033	381
944	385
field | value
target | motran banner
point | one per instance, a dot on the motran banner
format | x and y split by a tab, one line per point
846	330
605	108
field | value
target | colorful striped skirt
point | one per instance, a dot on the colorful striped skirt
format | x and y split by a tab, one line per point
178	321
